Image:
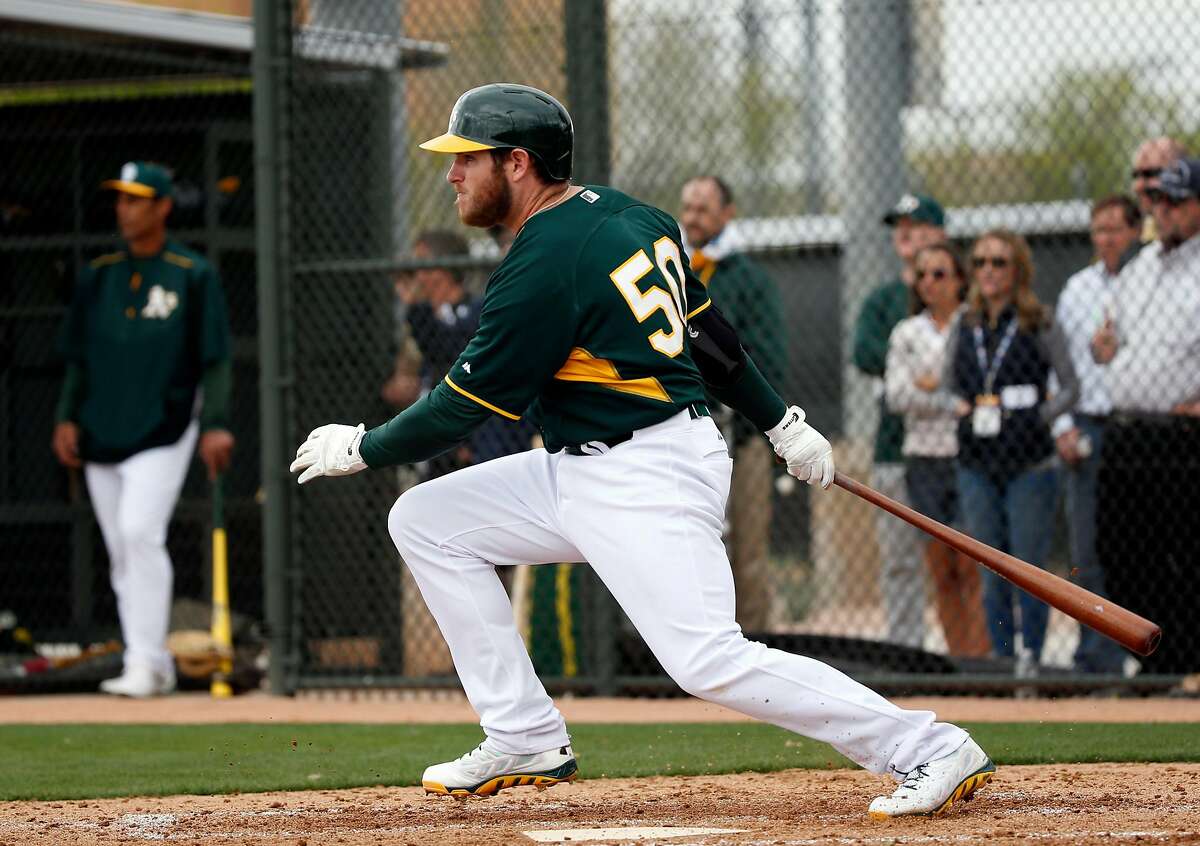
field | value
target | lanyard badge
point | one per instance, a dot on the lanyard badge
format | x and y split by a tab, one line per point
986	417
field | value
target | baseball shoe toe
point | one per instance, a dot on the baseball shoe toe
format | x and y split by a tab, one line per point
484	771
932	788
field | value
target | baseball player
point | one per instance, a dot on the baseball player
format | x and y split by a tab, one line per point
146	328
595	326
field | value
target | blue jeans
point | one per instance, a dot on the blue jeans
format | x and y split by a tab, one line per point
1015	515
1095	653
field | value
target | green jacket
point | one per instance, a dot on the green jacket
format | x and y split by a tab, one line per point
141	335
750	300
883	309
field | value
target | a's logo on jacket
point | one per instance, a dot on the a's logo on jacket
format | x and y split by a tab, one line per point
160	303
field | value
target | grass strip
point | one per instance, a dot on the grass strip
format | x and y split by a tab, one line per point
94	761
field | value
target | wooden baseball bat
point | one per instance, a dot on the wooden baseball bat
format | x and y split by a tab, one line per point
222	630
1135	633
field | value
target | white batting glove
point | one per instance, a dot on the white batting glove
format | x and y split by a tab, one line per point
808	455
331	450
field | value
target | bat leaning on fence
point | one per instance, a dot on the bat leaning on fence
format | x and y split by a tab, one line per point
1128	629
222	633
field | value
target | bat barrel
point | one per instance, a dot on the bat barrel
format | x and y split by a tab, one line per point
1132	631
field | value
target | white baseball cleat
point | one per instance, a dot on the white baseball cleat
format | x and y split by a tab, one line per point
139	682
484	771
932	788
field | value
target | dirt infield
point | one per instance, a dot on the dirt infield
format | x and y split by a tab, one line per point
1067	804
452	707
1098	804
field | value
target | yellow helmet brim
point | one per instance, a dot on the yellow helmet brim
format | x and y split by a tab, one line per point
450	143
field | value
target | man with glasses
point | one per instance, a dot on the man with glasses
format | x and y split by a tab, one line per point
1150	462
750	299
1148	162
916	221
1083	308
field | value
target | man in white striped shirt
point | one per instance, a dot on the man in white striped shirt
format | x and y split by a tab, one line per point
1148	536
1085	306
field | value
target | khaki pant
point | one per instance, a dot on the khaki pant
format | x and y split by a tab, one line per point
748	541
902	576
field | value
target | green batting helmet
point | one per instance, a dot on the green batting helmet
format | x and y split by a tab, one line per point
505	115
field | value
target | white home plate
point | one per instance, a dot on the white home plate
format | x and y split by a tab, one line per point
146	826
577	835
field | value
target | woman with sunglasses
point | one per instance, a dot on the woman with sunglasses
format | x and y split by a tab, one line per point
1000	362
915	361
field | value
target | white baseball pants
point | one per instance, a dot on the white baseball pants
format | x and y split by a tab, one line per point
647	516
133	501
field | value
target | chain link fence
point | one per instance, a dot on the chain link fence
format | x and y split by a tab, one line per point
351	286
84	89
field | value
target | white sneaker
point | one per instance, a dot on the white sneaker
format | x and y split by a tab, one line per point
484	771
932	788
139	682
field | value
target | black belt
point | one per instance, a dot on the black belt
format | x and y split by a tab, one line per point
599	446
1148	418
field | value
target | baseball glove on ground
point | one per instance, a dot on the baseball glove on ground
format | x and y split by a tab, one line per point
197	655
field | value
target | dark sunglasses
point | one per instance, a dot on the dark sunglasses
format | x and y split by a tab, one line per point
1162	197
998	262
1146	172
937	274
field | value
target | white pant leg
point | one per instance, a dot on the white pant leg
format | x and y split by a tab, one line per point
133	501
647	516
104	490
901	562
452	532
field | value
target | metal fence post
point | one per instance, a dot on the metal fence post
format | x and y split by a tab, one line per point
586	37
271	50
874	169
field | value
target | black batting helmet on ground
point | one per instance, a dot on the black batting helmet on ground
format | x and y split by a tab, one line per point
505	115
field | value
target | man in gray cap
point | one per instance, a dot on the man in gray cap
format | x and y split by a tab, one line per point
1150	461
916	222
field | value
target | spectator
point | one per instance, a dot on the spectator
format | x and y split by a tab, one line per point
1085	306
441	317
750	300
1000	359
915	363
146	330
438	317
1148	161
916	221
1151	455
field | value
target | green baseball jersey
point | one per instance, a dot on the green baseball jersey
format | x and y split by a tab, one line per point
141	332
583	329
584	322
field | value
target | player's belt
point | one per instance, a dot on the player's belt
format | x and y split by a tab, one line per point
600	446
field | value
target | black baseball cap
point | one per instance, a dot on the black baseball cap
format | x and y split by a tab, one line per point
916	207
1180	180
